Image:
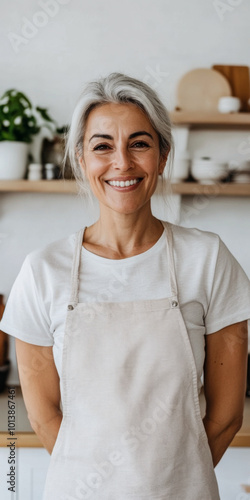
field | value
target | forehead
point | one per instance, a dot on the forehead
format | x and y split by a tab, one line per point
110	115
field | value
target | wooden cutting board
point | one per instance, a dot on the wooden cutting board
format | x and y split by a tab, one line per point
200	90
238	77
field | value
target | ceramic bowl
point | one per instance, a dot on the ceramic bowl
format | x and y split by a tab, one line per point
242	177
208	171
229	104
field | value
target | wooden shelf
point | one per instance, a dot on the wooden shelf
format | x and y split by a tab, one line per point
70	187
25	186
218	189
211	120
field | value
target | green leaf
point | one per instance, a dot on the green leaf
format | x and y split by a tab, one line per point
62	130
44	114
7	136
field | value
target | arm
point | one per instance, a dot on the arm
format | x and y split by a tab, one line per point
41	391
225	373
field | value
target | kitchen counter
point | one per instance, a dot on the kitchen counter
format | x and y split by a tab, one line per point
27	438
23	430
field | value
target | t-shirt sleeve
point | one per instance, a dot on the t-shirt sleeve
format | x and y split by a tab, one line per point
230	293
25	316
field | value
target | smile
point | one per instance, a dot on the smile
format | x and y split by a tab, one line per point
124	183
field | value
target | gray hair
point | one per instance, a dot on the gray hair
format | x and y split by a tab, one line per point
116	88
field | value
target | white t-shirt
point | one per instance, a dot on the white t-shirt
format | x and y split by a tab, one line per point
214	291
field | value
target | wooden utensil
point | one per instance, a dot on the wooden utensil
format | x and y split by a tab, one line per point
238	78
200	90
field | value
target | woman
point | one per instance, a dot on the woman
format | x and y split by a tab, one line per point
115	324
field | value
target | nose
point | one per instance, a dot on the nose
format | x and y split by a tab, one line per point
122	159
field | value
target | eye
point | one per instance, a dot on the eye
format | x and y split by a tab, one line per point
140	144
101	147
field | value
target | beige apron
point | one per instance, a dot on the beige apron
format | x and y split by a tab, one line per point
131	425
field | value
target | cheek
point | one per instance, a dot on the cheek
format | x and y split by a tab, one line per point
95	169
151	155
149	162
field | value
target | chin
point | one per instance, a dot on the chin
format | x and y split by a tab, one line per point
125	209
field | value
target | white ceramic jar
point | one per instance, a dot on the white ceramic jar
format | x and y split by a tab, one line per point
35	172
49	171
181	166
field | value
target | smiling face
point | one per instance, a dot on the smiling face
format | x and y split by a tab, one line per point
121	156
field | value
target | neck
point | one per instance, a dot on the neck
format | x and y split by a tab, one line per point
122	233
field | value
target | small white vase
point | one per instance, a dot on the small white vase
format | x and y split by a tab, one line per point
13	159
181	166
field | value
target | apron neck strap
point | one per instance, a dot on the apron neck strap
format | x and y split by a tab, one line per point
170	253
75	273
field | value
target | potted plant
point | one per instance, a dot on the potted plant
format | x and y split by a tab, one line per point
20	122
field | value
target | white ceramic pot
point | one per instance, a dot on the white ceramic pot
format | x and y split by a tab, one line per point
181	166
180	135
13	159
229	104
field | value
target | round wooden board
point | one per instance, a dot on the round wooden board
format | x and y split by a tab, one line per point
200	90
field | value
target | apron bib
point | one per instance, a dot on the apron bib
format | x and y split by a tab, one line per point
131	425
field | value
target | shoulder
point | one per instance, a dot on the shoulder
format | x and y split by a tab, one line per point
204	253
53	256
194	239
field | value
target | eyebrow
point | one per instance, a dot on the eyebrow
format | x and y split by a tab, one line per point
132	136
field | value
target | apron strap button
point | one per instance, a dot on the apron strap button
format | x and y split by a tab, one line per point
174	303
70	308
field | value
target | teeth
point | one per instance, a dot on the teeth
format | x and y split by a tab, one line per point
123	183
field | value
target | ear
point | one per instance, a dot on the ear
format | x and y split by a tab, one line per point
82	164
162	162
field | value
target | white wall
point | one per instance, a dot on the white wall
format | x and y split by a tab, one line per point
89	38
154	40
